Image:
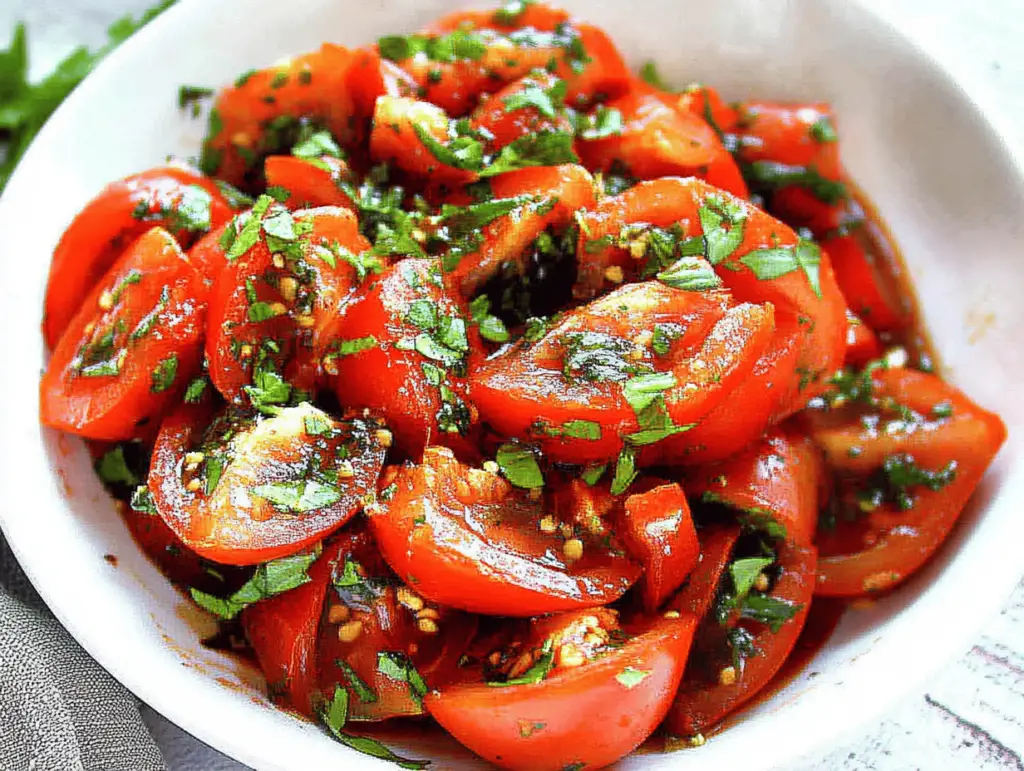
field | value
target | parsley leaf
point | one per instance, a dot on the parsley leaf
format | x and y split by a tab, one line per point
649	74
625	471
519	465
744	573
722	222
298	496
397	666
334	716
692	274
547	102
541	669
767	176
317	144
164	373
269	579
631	678
823	131
773	263
549	148
363	692
113	470
603	123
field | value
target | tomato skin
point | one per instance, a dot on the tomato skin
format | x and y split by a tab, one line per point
235	339
658	140
493	118
233	525
782	476
890	545
569	188
160	352
394	140
308	181
465	539
392	380
527	386
550	724
659	530
862	344
708	103
859	275
108	225
702	701
313	86
698	593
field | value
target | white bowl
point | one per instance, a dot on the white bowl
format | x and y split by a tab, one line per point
937	170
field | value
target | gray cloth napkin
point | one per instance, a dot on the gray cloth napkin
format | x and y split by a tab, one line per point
59	710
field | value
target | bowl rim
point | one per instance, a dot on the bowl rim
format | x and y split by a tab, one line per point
954	641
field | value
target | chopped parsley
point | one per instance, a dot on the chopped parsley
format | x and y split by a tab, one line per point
896	480
630	678
164	373
539	671
768	264
692	274
547	102
113	469
269	579
298	496
823	131
518	464
398	667
768	176
334	715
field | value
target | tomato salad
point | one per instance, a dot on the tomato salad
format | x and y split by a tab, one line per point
467	376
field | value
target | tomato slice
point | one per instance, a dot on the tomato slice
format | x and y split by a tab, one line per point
394	138
777	481
937	448
264	111
713	685
464	538
658	139
513	112
270	309
706	102
862	344
859	274
382	641
570	390
132	346
177	198
401	349
241	491
698	593
310	182
622	691
538	199
658	530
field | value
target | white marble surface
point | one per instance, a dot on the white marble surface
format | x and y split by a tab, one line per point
970	715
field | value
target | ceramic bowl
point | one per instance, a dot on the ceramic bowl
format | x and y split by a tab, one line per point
911	138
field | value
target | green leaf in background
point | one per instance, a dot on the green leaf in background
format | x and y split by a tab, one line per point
25	106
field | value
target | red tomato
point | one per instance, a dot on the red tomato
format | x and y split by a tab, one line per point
707	103
587	713
779	479
862	344
464	538
371	77
942	427
504	119
552	195
658	530
706	694
269	310
208	256
242	491
394	138
658	139
859	273
176	198
401	348
310	182
262	112
132	347
378	634
577	373
699	591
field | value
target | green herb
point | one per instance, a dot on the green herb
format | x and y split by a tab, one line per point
630	678
596	357
113	470
663	337
351	346
249	235
649	75
334	715
511	12
142	501
942	410
422	314
592	474
260	311
692	274
741	642
25	106
547	102
460	44
363	692
603	123
767	176
581	429
397	666
213	469
164	374
768	264
897	478
541	669
549	148
317	424
268	390
744	573
191	96
768	610
519	465
300	496
625	471
269	579
823	131
722	221
317	144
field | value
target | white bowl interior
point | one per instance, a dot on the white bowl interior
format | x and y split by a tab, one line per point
916	143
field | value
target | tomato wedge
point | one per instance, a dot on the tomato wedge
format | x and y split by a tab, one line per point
270	307
858	271
395	138
576	389
401	349
131	348
659	531
862	344
177	198
266	110
463	538
777	481
919	448
549	721
518	110
698	593
241	491
657	139
310	182
714	685
382	642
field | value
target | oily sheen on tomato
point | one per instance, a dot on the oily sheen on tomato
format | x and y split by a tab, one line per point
465	538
